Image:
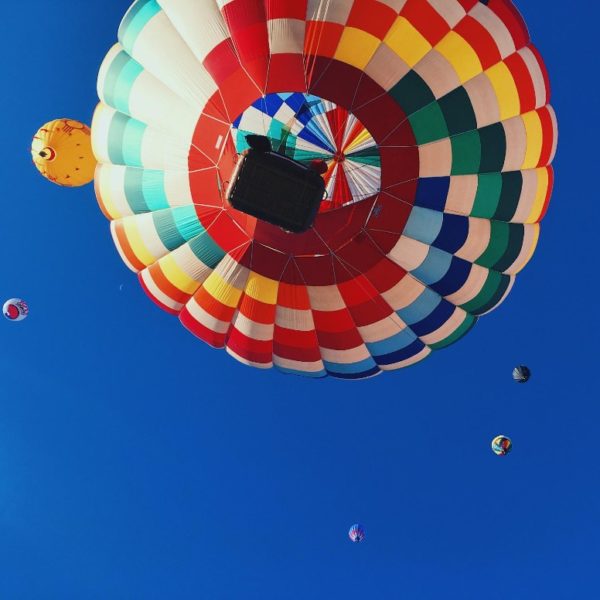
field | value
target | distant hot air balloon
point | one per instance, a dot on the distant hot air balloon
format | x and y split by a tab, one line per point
356	533
501	445
15	309
62	152
521	374
434	122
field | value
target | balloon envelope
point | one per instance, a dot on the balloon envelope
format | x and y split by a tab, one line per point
15	309
62	152
501	445
434	122
356	533
521	374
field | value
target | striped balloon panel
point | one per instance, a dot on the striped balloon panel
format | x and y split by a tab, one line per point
434	120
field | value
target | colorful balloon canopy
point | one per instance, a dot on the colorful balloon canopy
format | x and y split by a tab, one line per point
501	445
356	533
433	118
62	152
15	309
521	374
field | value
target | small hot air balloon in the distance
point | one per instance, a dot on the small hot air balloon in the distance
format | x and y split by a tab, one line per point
62	152
521	374
501	445
15	309
356	533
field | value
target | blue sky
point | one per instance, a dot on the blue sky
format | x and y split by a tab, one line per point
135	462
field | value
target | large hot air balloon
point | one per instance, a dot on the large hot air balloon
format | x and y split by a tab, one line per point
15	309
432	117
62	152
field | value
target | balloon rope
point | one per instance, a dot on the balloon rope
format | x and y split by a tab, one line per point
318	17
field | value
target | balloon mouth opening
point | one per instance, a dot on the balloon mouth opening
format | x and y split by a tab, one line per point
307	128
47	154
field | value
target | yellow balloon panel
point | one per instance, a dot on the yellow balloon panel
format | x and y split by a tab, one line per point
62	152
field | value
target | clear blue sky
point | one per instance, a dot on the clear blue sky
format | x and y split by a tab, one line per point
137	463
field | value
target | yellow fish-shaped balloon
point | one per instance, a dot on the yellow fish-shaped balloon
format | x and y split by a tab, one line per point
62	152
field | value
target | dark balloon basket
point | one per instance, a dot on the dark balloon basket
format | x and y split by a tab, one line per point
276	189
